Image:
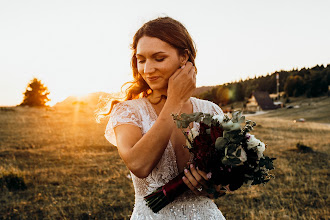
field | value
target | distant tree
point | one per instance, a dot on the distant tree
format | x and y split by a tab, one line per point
223	96
207	96
317	85
294	86
239	92
36	94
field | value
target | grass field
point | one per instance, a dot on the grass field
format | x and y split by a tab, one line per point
72	172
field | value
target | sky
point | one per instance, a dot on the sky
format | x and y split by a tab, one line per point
76	47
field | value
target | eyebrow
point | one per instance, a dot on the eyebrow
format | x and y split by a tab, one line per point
153	55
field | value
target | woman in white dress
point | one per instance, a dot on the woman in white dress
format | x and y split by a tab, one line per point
143	129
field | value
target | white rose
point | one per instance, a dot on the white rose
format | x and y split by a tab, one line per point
219	118
252	142
191	135
260	150
194	132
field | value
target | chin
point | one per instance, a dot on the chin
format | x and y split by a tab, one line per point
157	86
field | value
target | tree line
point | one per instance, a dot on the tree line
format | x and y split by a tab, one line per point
310	82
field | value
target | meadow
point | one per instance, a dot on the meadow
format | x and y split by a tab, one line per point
56	164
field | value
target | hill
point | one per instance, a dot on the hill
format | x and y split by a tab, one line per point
87	102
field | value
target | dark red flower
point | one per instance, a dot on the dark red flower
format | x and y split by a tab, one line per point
216	131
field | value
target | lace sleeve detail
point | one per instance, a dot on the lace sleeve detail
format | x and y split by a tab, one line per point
122	113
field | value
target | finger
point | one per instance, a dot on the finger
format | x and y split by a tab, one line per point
190	186
202	173
184	69
176	73
191	179
200	179
191	70
187	67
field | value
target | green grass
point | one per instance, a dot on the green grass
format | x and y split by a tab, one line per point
72	172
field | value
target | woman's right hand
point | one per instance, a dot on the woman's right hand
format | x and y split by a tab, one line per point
182	84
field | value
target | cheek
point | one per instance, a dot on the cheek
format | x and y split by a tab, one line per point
140	69
171	68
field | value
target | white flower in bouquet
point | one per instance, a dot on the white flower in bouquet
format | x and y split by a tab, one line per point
260	149
231	126
191	136
256	144
252	142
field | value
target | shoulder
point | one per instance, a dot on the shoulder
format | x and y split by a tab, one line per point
129	104
206	106
129	108
133	102
125	112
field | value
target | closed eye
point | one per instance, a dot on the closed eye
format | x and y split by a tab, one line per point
160	60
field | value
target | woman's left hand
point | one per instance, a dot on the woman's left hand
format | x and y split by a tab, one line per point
196	180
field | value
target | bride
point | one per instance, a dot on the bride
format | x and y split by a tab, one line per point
142	127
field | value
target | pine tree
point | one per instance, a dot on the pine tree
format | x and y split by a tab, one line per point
36	94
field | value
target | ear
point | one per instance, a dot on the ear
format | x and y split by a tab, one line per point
184	57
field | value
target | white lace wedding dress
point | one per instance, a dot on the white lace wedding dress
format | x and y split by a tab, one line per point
139	112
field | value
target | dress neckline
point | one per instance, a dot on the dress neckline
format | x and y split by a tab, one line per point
154	118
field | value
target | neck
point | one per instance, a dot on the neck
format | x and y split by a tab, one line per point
158	96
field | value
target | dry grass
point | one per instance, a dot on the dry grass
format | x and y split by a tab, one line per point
71	171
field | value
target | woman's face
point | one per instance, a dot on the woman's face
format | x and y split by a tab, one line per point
157	61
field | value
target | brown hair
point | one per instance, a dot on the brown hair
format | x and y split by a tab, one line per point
168	30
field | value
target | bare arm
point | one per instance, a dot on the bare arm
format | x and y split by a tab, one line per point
142	153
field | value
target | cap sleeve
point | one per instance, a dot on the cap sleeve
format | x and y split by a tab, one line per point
206	106
216	109
122	113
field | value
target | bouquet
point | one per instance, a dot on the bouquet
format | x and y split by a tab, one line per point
224	149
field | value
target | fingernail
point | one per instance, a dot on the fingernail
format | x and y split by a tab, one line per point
185	170
191	165
197	168
183	178
183	66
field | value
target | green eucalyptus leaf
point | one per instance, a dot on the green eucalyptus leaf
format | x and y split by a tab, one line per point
178	124
231	161
184	120
220	143
207	121
234	137
236	116
242	119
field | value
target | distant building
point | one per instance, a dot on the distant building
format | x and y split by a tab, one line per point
260	101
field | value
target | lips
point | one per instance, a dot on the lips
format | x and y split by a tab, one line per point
153	78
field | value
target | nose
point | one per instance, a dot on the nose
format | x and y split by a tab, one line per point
148	67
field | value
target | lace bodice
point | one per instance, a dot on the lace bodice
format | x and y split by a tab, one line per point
139	112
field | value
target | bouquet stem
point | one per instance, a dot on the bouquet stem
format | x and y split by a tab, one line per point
166	194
